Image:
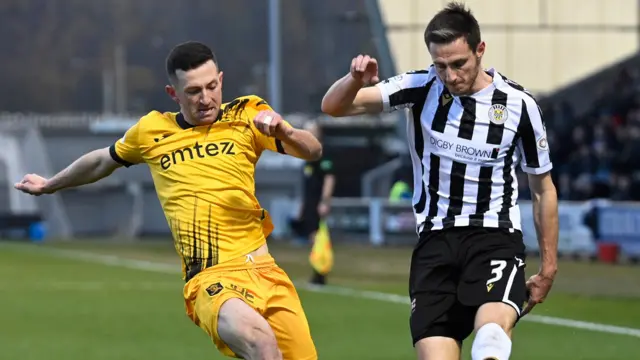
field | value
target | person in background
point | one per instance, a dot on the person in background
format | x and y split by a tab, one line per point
401	189
318	185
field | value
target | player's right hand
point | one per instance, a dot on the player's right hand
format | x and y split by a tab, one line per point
538	287
365	70
32	184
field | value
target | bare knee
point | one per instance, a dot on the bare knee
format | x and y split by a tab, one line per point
246	332
498	313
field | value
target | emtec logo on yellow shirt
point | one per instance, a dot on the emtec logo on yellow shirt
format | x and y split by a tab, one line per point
197	150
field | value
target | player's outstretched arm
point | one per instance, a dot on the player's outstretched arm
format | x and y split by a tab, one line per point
348	96
300	143
545	212
295	142
87	169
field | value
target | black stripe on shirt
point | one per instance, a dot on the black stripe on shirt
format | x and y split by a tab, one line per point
279	147
468	119
434	184
496	131
415	96
442	112
528	136
483	200
507	193
517	86
420	97
456	188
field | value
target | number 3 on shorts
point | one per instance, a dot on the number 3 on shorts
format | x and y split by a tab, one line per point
497	270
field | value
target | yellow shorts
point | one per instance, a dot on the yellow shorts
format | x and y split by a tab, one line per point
265	287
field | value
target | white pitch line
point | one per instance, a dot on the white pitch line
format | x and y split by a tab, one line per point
334	290
89	286
541	319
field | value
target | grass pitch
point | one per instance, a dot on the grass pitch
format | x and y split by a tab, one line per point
81	300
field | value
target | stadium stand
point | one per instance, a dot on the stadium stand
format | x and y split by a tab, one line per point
595	126
312	46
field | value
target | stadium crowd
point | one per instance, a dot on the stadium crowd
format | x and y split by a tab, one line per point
597	155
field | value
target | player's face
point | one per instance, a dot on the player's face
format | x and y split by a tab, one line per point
457	66
199	93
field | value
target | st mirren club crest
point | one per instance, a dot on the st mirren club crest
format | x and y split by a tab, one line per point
543	144
214	289
498	114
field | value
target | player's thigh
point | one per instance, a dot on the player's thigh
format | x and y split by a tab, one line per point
287	318
438	348
245	331
442	338
211	300
432	287
493	278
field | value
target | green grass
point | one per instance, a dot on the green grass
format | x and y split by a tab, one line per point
54	307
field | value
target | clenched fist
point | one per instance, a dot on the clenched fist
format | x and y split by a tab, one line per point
271	124
365	69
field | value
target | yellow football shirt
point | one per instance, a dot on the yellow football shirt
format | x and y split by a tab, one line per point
204	178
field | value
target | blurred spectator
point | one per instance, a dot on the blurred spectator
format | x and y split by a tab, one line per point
598	155
402	187
621	188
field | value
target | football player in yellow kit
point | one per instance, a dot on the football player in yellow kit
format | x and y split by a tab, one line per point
202	160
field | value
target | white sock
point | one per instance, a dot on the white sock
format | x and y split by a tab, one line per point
491	343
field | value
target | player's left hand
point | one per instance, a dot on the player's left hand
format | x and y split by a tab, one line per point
271	124
32	184
539	286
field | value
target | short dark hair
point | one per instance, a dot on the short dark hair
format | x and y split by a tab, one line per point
187	56
451	23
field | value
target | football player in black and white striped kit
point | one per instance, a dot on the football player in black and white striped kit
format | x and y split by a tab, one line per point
468	130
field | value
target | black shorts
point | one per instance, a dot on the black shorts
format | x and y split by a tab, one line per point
309	222
455	271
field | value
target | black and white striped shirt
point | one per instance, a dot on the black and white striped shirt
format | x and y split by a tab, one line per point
465	149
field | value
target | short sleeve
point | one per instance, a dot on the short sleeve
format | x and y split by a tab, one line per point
532	142
402	91
263	141
126	151
326	165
